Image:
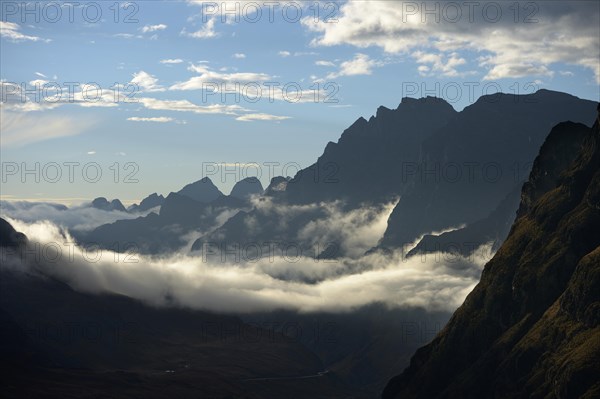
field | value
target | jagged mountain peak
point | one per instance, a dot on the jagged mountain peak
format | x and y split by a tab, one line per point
103	204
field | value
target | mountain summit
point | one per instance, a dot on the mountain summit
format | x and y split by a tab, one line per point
246	188
202	190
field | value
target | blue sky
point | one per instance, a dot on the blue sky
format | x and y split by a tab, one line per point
170	53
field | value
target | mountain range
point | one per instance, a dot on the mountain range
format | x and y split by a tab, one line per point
530	328
449	169
195	208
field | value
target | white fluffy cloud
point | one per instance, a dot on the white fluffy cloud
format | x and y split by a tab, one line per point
206	32
361	64
146	82
439	64
526	44
11	31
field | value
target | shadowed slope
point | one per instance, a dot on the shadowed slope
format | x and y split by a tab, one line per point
530	328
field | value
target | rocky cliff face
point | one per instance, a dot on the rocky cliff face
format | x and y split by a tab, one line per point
363	165
531	327
467	167
9	237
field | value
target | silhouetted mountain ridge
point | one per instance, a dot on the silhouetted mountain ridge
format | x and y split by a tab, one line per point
202	190
413	152
164	232
471	164
247	187
103	204
152	201
365	164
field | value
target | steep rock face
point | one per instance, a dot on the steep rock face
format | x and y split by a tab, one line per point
555	156
472	163
363	165
560	148
465	241
531	327
9	237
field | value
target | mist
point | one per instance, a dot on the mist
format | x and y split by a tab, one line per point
436	282
82	217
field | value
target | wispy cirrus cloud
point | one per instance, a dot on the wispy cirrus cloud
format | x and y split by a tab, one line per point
246	84
170	61
261	117
20	129
324	63
188	106
208	75
159	119
153	28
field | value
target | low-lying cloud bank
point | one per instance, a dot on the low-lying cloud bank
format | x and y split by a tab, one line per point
434	282
353	231
82	217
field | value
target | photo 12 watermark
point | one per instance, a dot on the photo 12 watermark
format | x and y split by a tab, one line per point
69	172
233	172
89	12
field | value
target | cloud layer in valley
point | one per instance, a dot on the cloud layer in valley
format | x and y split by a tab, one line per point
434	282
82	217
